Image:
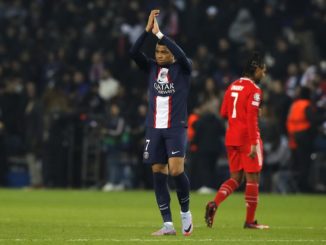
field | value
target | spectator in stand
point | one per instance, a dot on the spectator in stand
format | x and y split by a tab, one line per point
109	86
209	133
33	121
114	131
301	128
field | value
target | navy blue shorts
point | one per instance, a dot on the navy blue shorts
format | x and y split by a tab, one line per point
161	144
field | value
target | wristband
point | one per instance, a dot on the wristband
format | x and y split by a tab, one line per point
159	35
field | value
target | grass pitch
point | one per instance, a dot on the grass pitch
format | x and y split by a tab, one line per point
92	217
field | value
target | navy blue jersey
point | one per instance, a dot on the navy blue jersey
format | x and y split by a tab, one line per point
168	86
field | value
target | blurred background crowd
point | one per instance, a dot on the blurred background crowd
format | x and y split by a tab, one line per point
73	104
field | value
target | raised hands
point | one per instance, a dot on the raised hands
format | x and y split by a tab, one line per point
155	28
151	20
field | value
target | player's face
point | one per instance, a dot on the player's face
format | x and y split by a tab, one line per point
260	73
163	55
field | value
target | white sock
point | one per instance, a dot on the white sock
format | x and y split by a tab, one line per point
168	224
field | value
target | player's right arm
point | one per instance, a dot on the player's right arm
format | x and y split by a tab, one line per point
135	52
224	107
139	57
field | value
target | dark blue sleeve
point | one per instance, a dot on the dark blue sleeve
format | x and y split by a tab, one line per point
139	57
178	53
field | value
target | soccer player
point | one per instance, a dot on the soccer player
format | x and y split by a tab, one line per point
243	143
165	143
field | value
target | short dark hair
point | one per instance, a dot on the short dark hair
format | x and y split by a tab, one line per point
160	42
254	61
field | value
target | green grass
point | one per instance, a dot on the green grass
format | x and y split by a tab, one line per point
90	217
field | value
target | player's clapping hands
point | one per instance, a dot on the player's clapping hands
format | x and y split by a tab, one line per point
156	28
151	19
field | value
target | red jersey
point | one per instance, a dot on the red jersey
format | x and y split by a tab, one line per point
240	106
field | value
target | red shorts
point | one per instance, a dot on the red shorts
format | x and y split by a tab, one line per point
239	159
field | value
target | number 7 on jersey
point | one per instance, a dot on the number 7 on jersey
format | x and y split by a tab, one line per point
234	111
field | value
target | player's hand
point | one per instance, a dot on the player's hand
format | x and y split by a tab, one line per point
253	151
150	22
156	28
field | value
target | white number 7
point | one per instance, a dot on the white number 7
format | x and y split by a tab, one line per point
147	143
234	112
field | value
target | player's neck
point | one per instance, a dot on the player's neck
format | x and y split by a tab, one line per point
249	78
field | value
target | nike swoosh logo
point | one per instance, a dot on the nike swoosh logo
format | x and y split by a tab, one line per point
175	152
189	228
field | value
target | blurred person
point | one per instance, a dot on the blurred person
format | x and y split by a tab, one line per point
92	103
276	175
113	139
209	93
280	103
205	59
194	164
50	70
292	80
79	88
97	67
138	129
89	33
243	25
56	120
301	132
82	60
283	54
191	22
108	86
33	122
214	19
165	141
319	30
209	131
13	105
309	74
250	45
277	159
244	146
268	24
134	27
3	152
172	21
224	54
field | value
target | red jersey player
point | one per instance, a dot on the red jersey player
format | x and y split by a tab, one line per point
243	143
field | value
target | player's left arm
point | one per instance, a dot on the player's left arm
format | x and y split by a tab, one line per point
175	49
253	104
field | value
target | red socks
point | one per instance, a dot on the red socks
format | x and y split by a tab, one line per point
225	190
251	197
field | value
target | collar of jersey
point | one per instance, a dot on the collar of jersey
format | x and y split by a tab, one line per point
247	78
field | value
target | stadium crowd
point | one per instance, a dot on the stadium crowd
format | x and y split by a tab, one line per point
66	75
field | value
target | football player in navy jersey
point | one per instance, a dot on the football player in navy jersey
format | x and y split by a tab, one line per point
165	142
